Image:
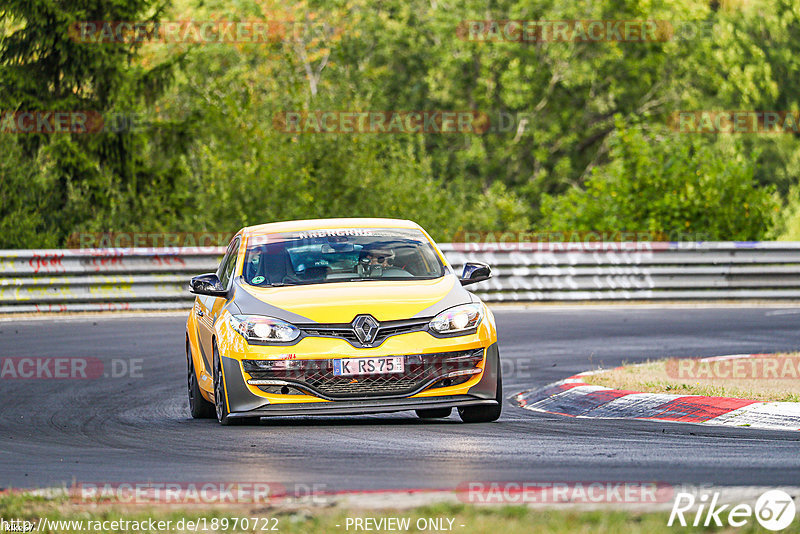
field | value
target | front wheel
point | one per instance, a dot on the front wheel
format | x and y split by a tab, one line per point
484	414
220	403
199	407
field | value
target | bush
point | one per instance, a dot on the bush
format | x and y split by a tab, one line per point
676	186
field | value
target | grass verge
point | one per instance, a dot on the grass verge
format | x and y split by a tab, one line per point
451	517
766	377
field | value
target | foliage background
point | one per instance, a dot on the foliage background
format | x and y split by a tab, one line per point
593	153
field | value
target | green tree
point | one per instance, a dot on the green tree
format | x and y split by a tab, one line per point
675	186
748	58
121	179
249	172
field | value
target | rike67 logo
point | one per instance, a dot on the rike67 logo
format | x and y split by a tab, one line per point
774	510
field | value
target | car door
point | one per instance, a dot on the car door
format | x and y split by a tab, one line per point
207	308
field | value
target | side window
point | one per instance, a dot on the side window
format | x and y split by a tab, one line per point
228	263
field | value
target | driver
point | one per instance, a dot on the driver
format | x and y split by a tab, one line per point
380	257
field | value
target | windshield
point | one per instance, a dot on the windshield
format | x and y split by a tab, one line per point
340	255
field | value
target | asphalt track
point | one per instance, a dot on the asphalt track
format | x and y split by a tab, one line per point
138	429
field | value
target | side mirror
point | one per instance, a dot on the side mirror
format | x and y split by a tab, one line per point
207	284
475	272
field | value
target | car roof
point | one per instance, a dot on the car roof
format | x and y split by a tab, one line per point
324	224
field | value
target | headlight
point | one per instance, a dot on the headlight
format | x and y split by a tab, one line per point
458	320
260	328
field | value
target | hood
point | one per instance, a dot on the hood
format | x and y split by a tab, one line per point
341	302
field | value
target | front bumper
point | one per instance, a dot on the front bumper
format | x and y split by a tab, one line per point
480	390
316	377
364	406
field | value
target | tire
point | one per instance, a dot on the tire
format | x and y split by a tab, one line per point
434	413
199	407
484	414
220	404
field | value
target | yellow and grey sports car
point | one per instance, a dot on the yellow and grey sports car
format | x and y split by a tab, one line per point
340	316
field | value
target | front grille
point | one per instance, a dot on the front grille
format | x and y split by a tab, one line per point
345	331
326	331
420	370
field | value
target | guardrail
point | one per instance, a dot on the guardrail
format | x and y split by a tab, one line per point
101	279
156	279
635	271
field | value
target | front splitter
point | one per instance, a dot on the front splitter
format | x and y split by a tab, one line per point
355	407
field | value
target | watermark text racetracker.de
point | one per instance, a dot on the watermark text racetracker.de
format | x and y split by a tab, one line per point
121	242
565	492
580	30
381	122
201	524
54	122
393	122
69	368
200	32
736	367
734	122
569	241
208	492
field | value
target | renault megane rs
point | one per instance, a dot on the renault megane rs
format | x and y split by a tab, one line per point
340	316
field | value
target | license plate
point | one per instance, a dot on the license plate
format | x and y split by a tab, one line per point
368	366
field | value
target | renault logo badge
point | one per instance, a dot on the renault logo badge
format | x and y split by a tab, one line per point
366	328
